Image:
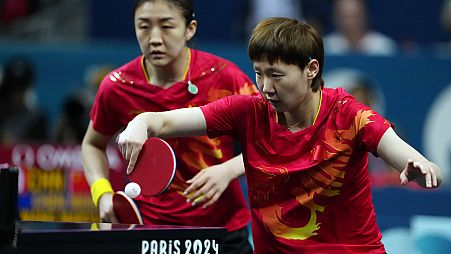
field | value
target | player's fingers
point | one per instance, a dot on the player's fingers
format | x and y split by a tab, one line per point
107	208
121	149
199	200
434	178
196	177
188	191
403	177
130	166
194	185
113	218
132	160
104	218
122	144
132	150
118	140
194	197
428	178
195	181
421	167
212	200
107	216
211	195
126	152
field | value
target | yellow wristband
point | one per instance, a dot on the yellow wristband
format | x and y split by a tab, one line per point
95	226
100	187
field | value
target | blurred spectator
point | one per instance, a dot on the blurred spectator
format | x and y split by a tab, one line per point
74	119
44	20
445	19
359	85
71	126
20	117
314	12
257	10
352	33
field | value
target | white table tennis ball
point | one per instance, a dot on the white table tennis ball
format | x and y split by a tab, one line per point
132	189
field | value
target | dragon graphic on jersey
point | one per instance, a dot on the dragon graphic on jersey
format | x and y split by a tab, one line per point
309	186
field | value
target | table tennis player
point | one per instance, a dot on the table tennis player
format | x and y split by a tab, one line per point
305	147
170	75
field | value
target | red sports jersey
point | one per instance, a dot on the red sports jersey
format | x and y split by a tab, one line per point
309	190
126	92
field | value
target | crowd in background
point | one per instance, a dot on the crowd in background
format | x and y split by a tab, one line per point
44	20
22	119
348	27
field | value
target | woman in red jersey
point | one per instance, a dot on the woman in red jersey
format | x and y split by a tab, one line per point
305	147
169	75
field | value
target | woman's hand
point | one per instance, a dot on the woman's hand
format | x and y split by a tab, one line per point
131	140
421	172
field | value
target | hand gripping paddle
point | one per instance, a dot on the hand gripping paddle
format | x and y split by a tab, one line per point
153	172
155	167
125	209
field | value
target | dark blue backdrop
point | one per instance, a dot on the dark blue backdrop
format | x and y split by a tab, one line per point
403	20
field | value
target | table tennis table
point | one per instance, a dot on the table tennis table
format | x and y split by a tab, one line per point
85	238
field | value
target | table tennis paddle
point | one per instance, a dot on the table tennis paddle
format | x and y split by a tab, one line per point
125	209
155	168
153	172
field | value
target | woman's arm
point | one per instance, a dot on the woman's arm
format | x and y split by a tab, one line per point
95	166
412	165
175	123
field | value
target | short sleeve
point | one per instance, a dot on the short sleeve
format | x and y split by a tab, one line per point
371	126
222	116
101	112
